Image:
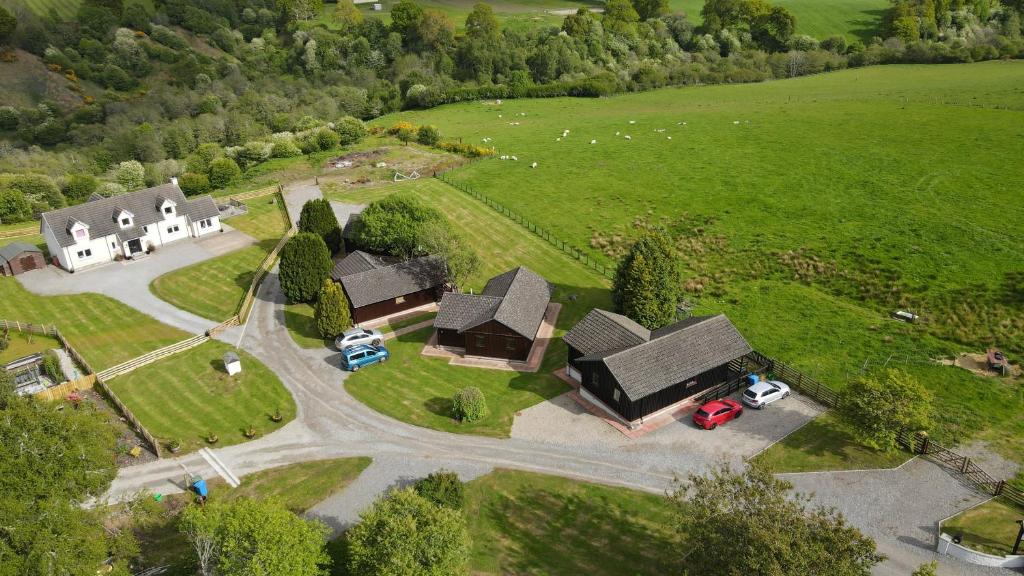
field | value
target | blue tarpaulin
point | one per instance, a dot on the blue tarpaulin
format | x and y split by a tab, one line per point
752	379
199	487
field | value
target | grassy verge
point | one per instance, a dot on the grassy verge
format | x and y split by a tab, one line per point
298	486
266	218
22	344
523	523
189	395
991	527
302	326
396	325
825	444
102	329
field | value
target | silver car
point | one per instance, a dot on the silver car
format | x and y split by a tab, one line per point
355	336
764	393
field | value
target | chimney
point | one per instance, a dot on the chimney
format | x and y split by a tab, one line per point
174	180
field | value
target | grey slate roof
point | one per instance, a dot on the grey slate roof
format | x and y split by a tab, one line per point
668	356
368	279
517	299
11	252
99	213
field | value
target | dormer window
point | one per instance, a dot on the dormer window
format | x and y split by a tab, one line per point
80	233
126	221
168	209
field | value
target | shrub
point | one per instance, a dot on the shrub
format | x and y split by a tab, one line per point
332	313
428	135
192	183
305	263
317	217
131	175
14	207
879	409
9	117
442	488
326	139
108	189
350	130
80	186
394	225
51	366
285	148
469	405
468	150
223	171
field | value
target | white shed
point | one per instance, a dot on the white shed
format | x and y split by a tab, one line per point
232	363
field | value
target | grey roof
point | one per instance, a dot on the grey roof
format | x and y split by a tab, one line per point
669	356
100	214
517	299
10	252
600	331
368	279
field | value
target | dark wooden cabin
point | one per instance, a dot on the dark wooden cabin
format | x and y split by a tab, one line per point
20	257
500	322
637	372
377	286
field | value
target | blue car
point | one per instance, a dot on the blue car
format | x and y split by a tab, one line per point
355	357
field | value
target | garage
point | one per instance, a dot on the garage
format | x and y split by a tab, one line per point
20	257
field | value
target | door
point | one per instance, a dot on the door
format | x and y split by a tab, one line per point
476	344
27	263
134	246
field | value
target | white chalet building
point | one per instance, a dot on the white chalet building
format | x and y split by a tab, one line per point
102	229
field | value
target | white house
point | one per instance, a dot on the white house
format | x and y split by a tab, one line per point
103	229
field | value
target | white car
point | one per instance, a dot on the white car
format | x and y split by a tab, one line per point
356	336
764	393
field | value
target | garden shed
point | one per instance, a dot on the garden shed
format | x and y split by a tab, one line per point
378	286
232	363
20	257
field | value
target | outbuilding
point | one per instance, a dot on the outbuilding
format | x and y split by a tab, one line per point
378	286
20	257
232	363
635	372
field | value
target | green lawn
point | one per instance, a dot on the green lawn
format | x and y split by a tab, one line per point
523	523
301	325
188	395
991	527
103	330
823	445
214	288
21	344
418	390
298	486
857	19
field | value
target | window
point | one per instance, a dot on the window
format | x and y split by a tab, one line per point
126	221
510	344
481	340
204	223
113	245
595	379
615	395
80	233
172	229
400	300
169	210
85	253
145	229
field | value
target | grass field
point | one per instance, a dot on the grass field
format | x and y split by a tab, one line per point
991	527
418	390
297	486
824	444
859	19
523	523
214	288
103	330
21	344
188	395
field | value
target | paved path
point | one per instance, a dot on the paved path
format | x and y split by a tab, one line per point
297	194
128	281
894	507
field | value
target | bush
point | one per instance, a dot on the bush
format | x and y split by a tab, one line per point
326	139
80	186
9	117
131	175
394	225
317	217
428	135
51	367
14	207
332	312
442	488
223	171
37	188
469	405
192	184
285	148
467	150
305	263
350	130
879	409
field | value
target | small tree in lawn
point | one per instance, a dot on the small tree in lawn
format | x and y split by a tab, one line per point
747	522
878	409
305	263
647	286
393	225
461	261
404	534
317	217
350	130
469	404
442	488
332	313
428	135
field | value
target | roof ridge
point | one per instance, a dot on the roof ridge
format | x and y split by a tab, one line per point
673	333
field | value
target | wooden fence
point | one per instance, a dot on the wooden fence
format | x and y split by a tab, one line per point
41	329
806	385
61	391
245	306
579	254
920	443
130	417
150	357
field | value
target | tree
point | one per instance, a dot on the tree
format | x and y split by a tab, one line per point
305	263
317	217
192	183
481	23
442	488
469	405
332	313
14	207
878	409
718	14
403	534
131	175
301	9
773	29
350	130
620	17
223	171
393	225
249	537
460	259
347	15
648	9
405	19
8	23
428	135
79	187
646	286
927	569
747	523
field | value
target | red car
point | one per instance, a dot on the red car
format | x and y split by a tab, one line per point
716	412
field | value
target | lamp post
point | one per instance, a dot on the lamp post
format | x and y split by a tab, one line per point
1020	536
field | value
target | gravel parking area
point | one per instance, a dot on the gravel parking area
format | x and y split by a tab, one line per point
564	422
